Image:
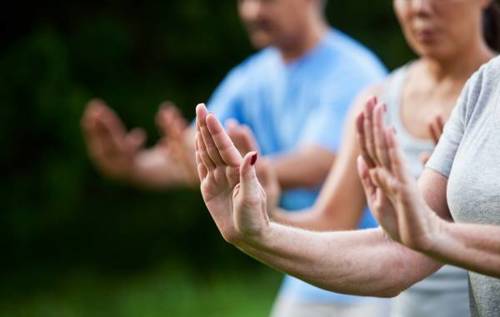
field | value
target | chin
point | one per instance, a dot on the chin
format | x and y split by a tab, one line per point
260	41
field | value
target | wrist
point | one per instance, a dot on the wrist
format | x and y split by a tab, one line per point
435	234
255	238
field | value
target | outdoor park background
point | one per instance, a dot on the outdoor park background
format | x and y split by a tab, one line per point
74	244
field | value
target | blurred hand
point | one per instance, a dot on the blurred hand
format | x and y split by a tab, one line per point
177	141
229	184
112	149
435	127
120	155
392	192
244	140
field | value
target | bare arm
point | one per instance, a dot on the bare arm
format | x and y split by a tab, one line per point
418	215
471	246
355	262
120	155
361	262
341	201
307	166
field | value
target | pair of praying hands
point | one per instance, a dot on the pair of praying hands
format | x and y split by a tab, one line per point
237	201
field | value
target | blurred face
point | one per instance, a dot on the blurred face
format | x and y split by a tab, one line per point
440	28
274	22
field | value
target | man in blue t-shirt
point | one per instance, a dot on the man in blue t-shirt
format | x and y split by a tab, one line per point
294	95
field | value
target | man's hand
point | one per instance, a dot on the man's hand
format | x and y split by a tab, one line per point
177	141
245	142
120	155
110	146
229	184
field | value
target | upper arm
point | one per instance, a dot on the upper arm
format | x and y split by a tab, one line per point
433	187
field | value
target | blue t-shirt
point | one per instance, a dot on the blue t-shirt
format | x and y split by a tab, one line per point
306	101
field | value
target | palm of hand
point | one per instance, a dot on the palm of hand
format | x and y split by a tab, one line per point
217	189
391	191
229	184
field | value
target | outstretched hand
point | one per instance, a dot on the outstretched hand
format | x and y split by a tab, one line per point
391	191
176	141
110	146
120	155
229	184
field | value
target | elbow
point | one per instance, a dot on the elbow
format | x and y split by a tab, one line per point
388	293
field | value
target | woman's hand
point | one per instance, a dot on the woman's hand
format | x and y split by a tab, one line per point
392	193
229	184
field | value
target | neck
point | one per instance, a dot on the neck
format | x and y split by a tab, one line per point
302	42
461	66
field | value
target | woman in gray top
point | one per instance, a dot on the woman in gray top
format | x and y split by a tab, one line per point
437	77
413	242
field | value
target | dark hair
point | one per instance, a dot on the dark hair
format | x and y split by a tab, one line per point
491	25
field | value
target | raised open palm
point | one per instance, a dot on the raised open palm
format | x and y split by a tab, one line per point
391	191
229	185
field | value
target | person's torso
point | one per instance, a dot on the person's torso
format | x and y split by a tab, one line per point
474	183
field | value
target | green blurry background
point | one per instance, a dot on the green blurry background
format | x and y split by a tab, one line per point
74	244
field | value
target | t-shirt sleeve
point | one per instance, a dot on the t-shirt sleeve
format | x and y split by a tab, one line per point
226	100
326	125
444	154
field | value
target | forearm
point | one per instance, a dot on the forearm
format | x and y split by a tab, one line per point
155	170
305	167
471	246
316	220
353	262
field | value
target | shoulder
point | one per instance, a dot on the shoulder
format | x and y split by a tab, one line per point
242	75
353	55
481	90
256	63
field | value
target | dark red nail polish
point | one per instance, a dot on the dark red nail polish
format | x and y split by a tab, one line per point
253	159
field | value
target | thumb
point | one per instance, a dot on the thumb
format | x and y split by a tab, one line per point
249	184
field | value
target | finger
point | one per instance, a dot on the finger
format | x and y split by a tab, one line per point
203	153
364	176
201	168
379	135
206	138
362	140
112	139
249	184
433	130
395	155
424	157
368	129
171	121
242	138
225	147
88	123
135	139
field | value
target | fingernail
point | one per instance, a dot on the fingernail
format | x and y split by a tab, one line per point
253	159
